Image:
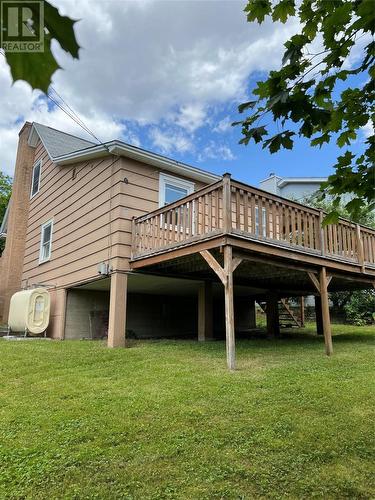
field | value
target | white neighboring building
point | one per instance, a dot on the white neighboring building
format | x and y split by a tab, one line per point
296	188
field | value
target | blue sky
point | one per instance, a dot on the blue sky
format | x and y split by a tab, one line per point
167	76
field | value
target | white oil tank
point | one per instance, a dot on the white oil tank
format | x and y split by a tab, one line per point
29	311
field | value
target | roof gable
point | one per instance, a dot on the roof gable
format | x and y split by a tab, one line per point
56	143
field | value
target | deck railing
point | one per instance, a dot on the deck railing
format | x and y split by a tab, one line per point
231	207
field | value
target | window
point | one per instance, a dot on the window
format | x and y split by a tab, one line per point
172	189
46	242
35	180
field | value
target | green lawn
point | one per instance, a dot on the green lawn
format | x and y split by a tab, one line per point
166	419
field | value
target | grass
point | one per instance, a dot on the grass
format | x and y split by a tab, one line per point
166	420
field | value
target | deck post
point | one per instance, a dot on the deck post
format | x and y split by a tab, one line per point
205	311
229	308
302	306
227	204
318	315
272	315
117	310
325	311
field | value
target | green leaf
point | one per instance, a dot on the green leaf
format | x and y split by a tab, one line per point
36	68
258	10
246	105
346	137
331	218
61	28
283	10
255	133
319	141
282	139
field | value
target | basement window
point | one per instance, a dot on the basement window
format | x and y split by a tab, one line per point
35	180
46	242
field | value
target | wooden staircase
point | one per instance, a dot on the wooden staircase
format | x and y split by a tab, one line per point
287	317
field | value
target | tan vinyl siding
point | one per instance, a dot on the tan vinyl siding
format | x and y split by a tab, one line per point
92	213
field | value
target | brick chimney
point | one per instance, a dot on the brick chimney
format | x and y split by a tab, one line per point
12	258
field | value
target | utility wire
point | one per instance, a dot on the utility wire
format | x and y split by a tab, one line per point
64	106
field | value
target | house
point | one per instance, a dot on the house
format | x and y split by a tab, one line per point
137	244
295	188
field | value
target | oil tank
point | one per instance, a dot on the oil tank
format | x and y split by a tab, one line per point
29	311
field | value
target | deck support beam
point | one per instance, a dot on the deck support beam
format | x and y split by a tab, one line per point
325	310
117	310
272	315
302	310
205	311
321	284
226	277
229	308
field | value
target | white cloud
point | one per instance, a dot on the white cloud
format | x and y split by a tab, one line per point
214	151
147	62
191	117
223	125
168	141
368	129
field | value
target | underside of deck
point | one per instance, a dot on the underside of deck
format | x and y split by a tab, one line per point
236	235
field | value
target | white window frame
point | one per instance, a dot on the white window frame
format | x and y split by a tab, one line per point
165	179
39	162
43	227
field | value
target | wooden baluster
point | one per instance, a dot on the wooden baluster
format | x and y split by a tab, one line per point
335	230
299	226
311	231
246	211
344	241
340	240
365	246
168	220
287	223
179	223
157	231
293	226
349	241
252	211
354	243
267	217
210	207
260	217
238	208
361	258
217	209
274	209
183	222
329	238
151	239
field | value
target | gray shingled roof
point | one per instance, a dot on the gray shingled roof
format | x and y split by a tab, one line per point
59	143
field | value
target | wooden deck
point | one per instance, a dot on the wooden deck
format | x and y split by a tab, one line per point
237	235
230	208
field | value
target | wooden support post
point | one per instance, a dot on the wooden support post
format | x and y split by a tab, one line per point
302	306
325	311
272	314
227	204
229	308
117	310
226	277
318	315
205	311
